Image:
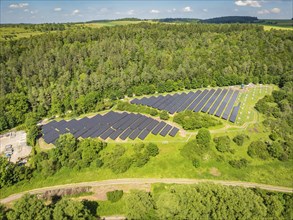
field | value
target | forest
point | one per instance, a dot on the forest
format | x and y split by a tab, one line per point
78	70
202	201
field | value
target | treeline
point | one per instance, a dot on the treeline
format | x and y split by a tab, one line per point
200	201
74	70
231	19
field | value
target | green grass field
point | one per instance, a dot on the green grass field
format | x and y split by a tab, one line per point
171	164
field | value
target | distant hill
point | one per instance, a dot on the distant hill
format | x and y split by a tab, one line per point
178	20
231	19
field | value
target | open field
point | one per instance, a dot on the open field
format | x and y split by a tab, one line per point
16	33
270	27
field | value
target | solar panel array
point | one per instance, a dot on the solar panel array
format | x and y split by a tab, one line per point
218	102
111	125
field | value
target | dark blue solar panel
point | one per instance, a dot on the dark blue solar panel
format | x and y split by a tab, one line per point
107	133
217	102
234	113
140	120
158	128
116	134
134	101
126	134
160	100
165	131
145	123
223	104
211	101
174	131
204	100
197	100
100	131
152	125
143	134
186	101
134	134
163	103
230	106
132	120
178	98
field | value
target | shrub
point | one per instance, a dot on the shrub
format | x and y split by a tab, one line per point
164	115
258	149
115	195
140	159
222	143
239	163
152	149
240	138
196	163
203	137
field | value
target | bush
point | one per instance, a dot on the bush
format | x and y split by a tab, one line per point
203	137
115	195
196	163
152	149
239	163
190	120
275	150
140	159
240	138
258	149
164	115
222	143
121	165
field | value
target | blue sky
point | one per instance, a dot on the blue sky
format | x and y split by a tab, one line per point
72	11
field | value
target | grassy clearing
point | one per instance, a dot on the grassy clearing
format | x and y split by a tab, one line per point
270	27
16	33
107	24
107	208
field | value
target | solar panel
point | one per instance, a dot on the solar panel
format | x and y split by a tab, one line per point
173	132
170	103
178	98
134	134
145	123
143	134
140	120
132	120
217	102
152	125
175	105
107	133
151	101
126	134
211	101
223	104
134	101
165	131
161	99
158	128
100	131
197	100
234	113
230	106
116	134
189	98
204	100
162	104
51	137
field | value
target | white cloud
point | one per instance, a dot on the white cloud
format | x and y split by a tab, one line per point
276	10
273	10
34	12
205	10
154	11
251	3
187	9
57	9
130	12
26	10
20	5
263	12
75	12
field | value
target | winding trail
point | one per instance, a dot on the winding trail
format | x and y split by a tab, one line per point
138	181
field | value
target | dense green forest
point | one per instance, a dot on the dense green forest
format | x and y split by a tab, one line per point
202	201
75	70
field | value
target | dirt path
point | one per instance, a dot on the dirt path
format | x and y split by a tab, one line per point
139	181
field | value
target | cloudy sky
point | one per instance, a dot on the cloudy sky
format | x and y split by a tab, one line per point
38	11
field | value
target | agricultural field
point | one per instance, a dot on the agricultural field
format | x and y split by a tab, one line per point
16	33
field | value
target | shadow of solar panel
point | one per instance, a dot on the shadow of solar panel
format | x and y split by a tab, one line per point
217	102
165	131
234	113
230	105
107	133
211	101
197	100
158	128
125	134
223	104
204	100
173	132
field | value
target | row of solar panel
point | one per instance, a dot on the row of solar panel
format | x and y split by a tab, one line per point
215	102
111	125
